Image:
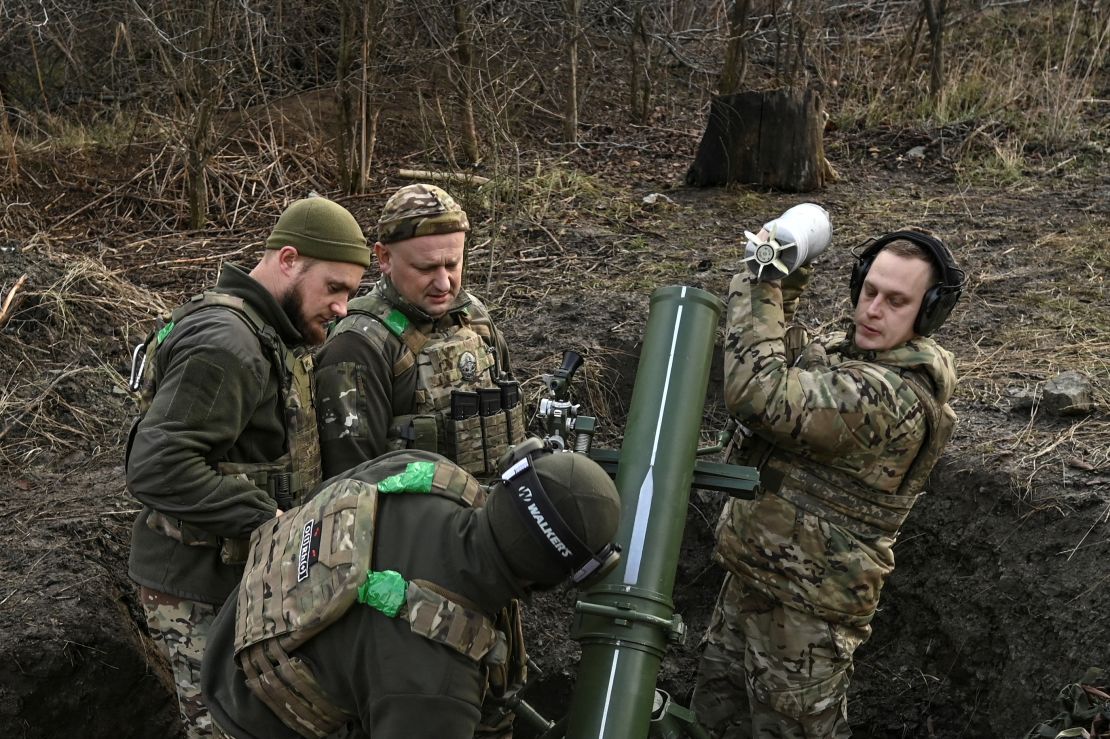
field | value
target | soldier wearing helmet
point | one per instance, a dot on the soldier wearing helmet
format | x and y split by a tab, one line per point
844	428
226	435
418	363
369	611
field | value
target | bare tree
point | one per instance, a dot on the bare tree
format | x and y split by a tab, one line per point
639	51
736	52
354	142
573	10
464	76
935	12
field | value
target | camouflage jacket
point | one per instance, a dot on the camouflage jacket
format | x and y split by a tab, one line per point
362	353
842	415
394	682
218	401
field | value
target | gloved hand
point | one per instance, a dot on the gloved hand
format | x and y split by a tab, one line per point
793	285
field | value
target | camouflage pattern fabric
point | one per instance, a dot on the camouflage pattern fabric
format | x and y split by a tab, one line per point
304	572
848	416
441	617
420	210
844	440
179	628
772	671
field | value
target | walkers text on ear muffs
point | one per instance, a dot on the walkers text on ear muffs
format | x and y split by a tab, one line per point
535	507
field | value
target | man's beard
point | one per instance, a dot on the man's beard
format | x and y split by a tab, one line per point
293	306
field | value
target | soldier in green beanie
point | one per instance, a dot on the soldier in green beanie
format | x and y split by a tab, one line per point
369	610
417	363
226	436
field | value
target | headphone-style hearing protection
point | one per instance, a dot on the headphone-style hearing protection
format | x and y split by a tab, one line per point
939	299
543	519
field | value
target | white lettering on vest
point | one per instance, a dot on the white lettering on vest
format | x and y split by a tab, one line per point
306	548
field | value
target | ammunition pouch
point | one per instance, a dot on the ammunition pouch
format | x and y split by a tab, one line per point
509	675
416	432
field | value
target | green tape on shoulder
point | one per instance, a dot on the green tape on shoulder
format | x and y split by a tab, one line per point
384	591
417	478
164	332
396	322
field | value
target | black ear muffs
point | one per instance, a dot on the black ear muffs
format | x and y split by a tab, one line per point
527	448
939	299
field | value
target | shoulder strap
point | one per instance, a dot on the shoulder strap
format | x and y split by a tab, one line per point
940	422
396	324
265	332
439	478
392	318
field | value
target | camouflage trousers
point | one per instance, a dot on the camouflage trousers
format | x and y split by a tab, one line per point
180	629
772	672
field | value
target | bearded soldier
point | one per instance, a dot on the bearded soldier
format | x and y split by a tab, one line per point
418	363
227	435
845	429
368	612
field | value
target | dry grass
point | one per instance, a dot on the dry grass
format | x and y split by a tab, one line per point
1060	323
58	359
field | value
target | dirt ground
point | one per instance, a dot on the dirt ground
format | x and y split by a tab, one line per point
999	597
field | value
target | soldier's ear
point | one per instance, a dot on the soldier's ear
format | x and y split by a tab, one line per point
384	257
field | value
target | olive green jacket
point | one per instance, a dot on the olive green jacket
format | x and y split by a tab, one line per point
396	683
852	424
218	399
382	395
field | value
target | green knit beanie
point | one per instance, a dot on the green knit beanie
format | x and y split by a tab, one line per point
321	229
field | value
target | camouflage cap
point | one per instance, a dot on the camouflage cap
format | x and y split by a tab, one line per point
321	229
420	210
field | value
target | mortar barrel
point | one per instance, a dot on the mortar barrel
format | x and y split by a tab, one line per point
626	622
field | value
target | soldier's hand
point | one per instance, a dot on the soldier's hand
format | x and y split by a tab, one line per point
795	283
792	287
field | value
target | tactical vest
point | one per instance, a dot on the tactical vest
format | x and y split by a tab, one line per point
289	478
308	567
839	497
460	410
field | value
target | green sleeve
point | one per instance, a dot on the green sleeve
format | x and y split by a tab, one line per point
205	399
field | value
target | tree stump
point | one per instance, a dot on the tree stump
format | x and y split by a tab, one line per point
771	139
